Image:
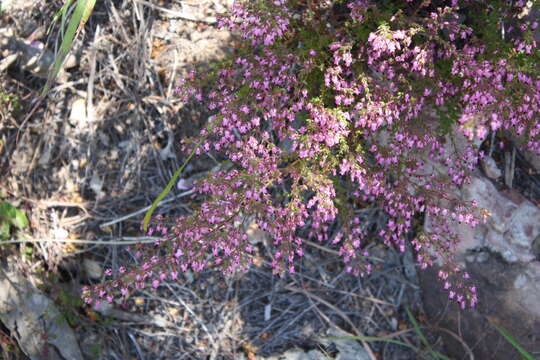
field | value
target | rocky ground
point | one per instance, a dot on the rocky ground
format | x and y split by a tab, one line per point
86	163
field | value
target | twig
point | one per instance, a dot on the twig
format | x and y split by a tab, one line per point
368	298
37	103
455	336
74	219
143	210
137	11
120	24
191	312
339	312
70	85
126	240
334	252
492	144
91	79
509	168
137	347
173	76
7	61
177	14
320	247
289	323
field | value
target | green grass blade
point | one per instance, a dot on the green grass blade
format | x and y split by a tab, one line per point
60	14
168	188
4	230
64	17
422	337
374	338
436	354
89	7
526	355
80	15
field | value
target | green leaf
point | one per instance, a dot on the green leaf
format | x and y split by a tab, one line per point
243	92
169	186
4	230
62	13
82	12
11	215
7	211
373	338
417	328
524	353
423	339
20	220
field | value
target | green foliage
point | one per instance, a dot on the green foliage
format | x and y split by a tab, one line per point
96	351
11	216
314	81
314	38
448	117
527	63
169	186
486	26
68	305
243	92
9	105
525	355
423	339
83	10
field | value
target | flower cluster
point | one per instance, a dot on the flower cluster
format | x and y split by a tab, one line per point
329	106
261	23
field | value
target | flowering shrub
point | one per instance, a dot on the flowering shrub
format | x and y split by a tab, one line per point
333	104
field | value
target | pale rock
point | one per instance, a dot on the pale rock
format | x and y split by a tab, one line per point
77	115
510	230
92	269
490	168
34	321
347	349
96	184
70	62
108	310
501	257
13	6
255	234
521	141
297	354
60	234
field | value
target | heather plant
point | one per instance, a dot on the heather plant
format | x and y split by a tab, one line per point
332	105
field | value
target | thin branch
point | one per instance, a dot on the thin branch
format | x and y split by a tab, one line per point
125	240
177	14
144	209
339	312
